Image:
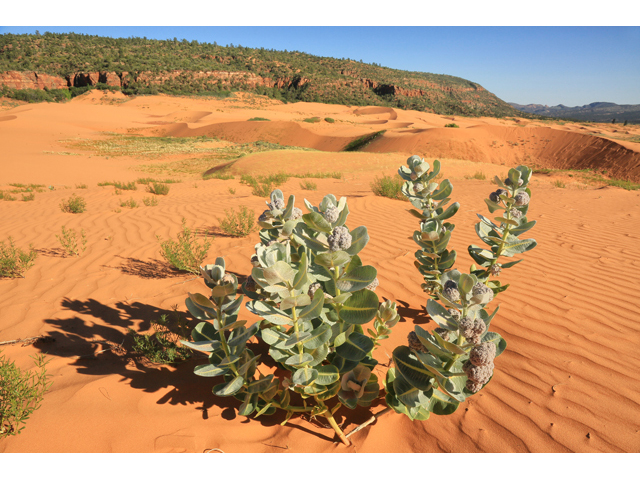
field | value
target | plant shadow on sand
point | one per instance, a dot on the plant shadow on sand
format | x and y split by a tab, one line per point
417	316
148	269
96	338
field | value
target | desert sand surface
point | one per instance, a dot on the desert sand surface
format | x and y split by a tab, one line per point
569	380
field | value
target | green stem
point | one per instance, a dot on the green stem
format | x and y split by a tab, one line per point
223	340
501	248
332	421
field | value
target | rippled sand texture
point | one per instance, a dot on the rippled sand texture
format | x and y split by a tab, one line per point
569	380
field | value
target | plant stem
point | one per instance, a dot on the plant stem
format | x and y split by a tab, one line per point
332	421
501	248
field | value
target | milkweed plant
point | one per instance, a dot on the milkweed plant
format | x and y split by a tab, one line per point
321	319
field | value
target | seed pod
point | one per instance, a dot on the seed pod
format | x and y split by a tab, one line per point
265	216
415	343
473	387
522	199
515	213
483	354
495	270
331	214
340	239
508	182
254	260
481	294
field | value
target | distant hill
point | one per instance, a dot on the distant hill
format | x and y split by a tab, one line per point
142	66
594	112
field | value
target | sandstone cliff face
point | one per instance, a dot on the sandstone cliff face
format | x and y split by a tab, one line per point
31	80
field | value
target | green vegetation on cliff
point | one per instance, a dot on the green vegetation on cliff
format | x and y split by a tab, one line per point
144	66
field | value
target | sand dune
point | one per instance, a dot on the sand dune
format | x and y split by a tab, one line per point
568	382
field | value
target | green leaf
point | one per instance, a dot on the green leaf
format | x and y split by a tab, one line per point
196	311
493	206
413	371
203	346
417	214
343	365
332	259
356	347
360	308
327	201
332	390
223	290
506	221
445	190
209	370
514	246
248	406
229	389
499	182
317	337
301	277
410	395
449	212
441	404
359	240
233	325
241	339
304	376
260	385
440	315
342	218
317	222
319	354
296	337
298	301
272	336
289	208
269	313
314	309
356	278
204	331
281	272
327	374
466	283
299	359
514	176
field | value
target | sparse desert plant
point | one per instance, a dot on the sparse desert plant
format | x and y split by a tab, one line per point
82	186
452	125
14	261
185	253
131	203
73	204
308	185
158	188
150	201
479	175
387	186
238	224
7	197
312	120
162	346
315	298
120	185
219	176
232	190
258	119
559	184
329	120
72	243
28	198
21	394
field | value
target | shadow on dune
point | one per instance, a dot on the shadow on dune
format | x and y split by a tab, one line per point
148	269
96	339
51	252
417	316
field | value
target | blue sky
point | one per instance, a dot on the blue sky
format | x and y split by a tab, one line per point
547	65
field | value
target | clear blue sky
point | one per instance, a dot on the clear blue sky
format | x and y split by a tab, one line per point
547	65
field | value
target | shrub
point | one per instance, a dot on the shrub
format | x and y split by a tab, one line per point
162	345
218	175
232	190
82	186
389	187
329	120
73	204
238	224
158	188
131	203
69	241
28	198
312	120
559	184
308	185
314	298
185	253
21	394
6	196
476	176
120	185
362	142
451	125
13	261
150	201
258	119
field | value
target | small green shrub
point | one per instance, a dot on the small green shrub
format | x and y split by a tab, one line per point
120	185
559	184
28	198
232	190
7	197
150	201
82	186
148	180
131	203
73	204
185	253
158	188
308	185
389	187
162	346
258	119
312	120
361	142
238	224
13	261
451	125
329	120
476	176
218	175
69	241
20	394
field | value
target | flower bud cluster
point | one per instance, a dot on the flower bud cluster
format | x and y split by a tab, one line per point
479	367
472	329
495	196
522	199
415	343
451	291
481	294
340	239
509	183
373	285
331	214
276	204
